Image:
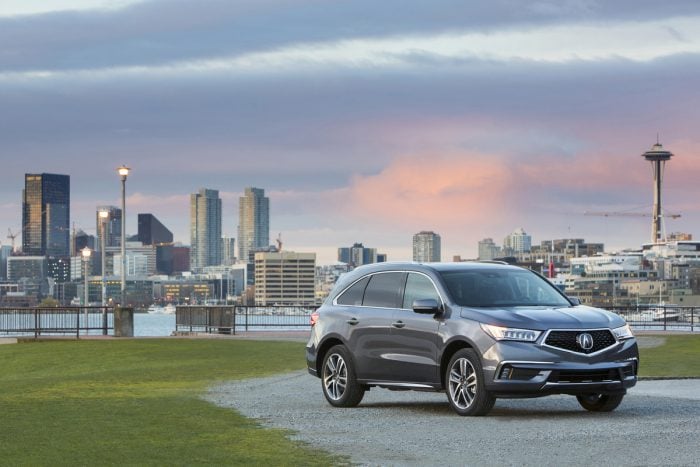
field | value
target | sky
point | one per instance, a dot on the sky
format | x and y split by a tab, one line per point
364	121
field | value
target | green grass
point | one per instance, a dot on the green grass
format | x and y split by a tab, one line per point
678	357
138	402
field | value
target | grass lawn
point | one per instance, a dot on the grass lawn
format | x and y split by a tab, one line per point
679	356
136	402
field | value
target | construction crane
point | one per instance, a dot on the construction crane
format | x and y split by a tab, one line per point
279	241
12	237
625	214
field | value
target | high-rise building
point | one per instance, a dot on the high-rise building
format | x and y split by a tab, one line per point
517	242
59	268
152	231
253	221
46	215
181	258
205	229
5	252
82	240
426	247
113	227
285	278
488	250
358	254
228	251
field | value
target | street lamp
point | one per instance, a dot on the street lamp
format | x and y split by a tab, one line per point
86	252
123	173
104	216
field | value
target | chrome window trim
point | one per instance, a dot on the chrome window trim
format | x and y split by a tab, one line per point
335	300
546	335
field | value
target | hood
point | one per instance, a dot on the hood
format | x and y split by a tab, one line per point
541	318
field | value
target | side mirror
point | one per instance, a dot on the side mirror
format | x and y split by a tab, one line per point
426	306
575	300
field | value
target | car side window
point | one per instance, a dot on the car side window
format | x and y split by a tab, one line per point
353	295
418	287
385	290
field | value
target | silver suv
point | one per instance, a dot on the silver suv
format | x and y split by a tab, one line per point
478	331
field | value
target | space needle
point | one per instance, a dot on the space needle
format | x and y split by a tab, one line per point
658	156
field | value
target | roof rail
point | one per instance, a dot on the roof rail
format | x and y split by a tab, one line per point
490	261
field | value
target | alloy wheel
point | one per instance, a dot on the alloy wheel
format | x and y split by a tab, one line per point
335	376
463	383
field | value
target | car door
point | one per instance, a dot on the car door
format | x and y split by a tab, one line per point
414	336
370	339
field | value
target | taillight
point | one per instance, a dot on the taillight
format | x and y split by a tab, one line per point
314	318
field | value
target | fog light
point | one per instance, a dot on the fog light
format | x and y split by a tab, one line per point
506	372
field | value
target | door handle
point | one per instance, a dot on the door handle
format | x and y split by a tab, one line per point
353	321
398	324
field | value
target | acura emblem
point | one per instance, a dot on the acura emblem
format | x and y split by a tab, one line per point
585	341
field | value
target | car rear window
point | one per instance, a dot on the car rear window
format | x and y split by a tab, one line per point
385	290
353	295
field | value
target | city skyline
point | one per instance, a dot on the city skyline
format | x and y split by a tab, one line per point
466	120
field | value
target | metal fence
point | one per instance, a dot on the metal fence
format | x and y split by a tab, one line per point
231	319
84	320
661	317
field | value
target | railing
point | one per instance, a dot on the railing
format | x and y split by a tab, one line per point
660	317
230	319
84	320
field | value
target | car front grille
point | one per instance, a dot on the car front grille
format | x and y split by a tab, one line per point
567	340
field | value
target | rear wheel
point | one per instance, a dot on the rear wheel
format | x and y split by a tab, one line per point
600	402
338	379
465	385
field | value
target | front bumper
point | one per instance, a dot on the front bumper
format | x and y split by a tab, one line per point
527	370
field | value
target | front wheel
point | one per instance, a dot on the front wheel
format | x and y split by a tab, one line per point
600	402
466	390
338	379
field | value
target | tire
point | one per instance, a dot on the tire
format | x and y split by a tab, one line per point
338	379
464	384
600	402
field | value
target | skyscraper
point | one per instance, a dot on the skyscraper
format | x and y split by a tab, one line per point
228	251
253	221
46	215
113	227
152	232
205	229
426	247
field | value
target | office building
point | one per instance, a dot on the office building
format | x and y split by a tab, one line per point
228	249
26	267
113	227
58	268
285	278
46	215
82	240
205	229
152	231
5	252
488	250
181	259
250	264
426	247
358	254
517	242
253	221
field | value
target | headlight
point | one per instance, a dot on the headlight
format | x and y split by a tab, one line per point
623	332
510	334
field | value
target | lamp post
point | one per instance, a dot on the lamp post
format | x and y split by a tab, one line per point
104	216
86	252
123	173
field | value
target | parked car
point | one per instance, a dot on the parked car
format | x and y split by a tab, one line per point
477	331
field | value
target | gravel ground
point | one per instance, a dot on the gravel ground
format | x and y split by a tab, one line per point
657	424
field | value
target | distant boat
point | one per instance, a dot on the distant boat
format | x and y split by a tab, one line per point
168	309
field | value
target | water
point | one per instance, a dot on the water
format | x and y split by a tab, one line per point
153	325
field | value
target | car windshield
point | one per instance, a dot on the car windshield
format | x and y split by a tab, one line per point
501	287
